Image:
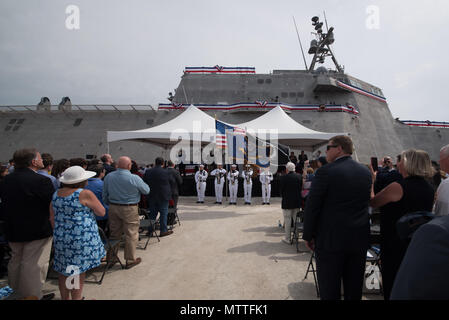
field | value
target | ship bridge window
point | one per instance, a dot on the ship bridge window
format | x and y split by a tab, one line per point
260	81
284	94
268	81
12	121
292	94
355	83
77	122
20	121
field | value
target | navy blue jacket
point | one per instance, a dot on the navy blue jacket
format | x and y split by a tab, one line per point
336	214
158	179
25	204
423	274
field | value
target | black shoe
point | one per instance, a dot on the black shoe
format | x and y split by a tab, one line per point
198	202
48	296
219	202
263	203
202	201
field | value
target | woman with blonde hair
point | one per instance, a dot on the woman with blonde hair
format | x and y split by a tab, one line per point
412	194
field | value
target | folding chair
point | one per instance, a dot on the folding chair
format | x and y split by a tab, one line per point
5	250
144	225
311	268
298	227
373	258
110	245
174	211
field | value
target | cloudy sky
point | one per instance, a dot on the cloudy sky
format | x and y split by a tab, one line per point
135	51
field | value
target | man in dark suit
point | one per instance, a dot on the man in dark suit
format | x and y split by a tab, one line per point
423	274
175	182
25	199
336	221
159	181
290	189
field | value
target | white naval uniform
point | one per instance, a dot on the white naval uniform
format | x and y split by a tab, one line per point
219	183
265	179
200	179
247	184
233	179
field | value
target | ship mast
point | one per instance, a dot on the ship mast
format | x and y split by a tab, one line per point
320	48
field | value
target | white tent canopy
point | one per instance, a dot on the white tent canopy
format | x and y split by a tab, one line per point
289	132
199	126
192	122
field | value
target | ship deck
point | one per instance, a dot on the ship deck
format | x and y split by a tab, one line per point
218	252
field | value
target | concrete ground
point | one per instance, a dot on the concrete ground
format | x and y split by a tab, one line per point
218	252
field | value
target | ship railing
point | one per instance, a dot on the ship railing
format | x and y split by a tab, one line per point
120	108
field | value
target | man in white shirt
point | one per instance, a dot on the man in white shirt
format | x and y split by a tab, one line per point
233	179
200	179
247	183
442	198
265	179
219	175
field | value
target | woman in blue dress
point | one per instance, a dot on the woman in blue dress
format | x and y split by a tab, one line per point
77	243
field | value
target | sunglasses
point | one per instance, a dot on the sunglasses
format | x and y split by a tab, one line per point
331	146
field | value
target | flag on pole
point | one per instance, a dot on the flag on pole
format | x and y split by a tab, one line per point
226	132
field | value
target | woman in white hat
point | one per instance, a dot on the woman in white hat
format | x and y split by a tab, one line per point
77	244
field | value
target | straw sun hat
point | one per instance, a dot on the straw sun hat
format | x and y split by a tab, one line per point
75	174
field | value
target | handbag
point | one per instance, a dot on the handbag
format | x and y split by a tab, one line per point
410	222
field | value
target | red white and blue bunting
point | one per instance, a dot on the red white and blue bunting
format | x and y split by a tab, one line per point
265	105
427	123
361	91
220	69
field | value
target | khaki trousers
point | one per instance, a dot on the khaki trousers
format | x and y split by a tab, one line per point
125	220
289	214
27	269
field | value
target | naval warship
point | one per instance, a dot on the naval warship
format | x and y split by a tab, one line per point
319	98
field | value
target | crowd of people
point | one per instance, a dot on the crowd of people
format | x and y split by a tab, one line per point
58	206
337	222
55	208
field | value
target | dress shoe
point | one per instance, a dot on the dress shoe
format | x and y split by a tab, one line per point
163	234
198	202
48	296
134	263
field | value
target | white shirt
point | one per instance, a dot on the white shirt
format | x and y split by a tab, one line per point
201	176
233	176
216	173
266	177
442	203
247	174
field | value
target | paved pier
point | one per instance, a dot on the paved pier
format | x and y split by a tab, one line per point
218	252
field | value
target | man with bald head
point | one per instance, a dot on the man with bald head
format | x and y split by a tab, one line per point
442	199
122	191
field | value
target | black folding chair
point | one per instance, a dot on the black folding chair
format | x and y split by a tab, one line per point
145	225
173	211
5	250
298	228
111	247
311	268
373	259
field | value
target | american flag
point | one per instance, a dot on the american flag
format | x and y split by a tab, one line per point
223	129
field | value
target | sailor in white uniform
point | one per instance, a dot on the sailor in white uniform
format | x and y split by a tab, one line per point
233	180
247	183
220	175
265	179
200	179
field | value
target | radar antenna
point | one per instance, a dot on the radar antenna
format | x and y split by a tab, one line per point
320	48
300	44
